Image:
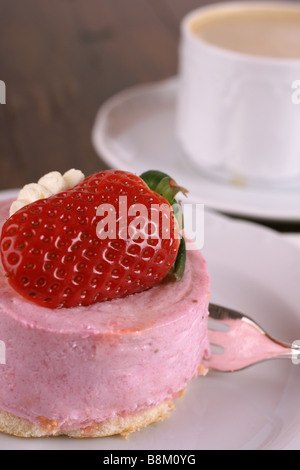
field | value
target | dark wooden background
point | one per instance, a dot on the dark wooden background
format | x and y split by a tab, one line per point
60	60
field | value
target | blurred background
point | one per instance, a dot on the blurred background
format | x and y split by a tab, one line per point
60	60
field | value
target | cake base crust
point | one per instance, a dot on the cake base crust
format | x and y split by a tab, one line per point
124	425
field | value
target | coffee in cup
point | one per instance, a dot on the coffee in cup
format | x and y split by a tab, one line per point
236	117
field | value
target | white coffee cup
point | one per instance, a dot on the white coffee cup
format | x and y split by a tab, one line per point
236	118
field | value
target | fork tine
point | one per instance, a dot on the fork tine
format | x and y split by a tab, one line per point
217	337
217	312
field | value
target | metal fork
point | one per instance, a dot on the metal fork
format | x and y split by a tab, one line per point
244	343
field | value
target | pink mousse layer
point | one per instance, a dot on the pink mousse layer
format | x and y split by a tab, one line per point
87	364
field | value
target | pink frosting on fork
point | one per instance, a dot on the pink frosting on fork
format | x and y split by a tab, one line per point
86	364
243	345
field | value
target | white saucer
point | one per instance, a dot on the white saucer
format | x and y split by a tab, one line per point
252	409
134	131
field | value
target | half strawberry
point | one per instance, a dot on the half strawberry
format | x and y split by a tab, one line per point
113	235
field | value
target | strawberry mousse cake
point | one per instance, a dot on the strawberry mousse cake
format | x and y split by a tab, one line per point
87	354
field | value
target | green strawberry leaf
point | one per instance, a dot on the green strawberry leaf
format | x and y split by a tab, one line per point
164	185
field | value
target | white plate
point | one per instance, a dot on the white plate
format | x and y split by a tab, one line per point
134	131
256	270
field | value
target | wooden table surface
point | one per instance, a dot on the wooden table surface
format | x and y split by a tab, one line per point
60	60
